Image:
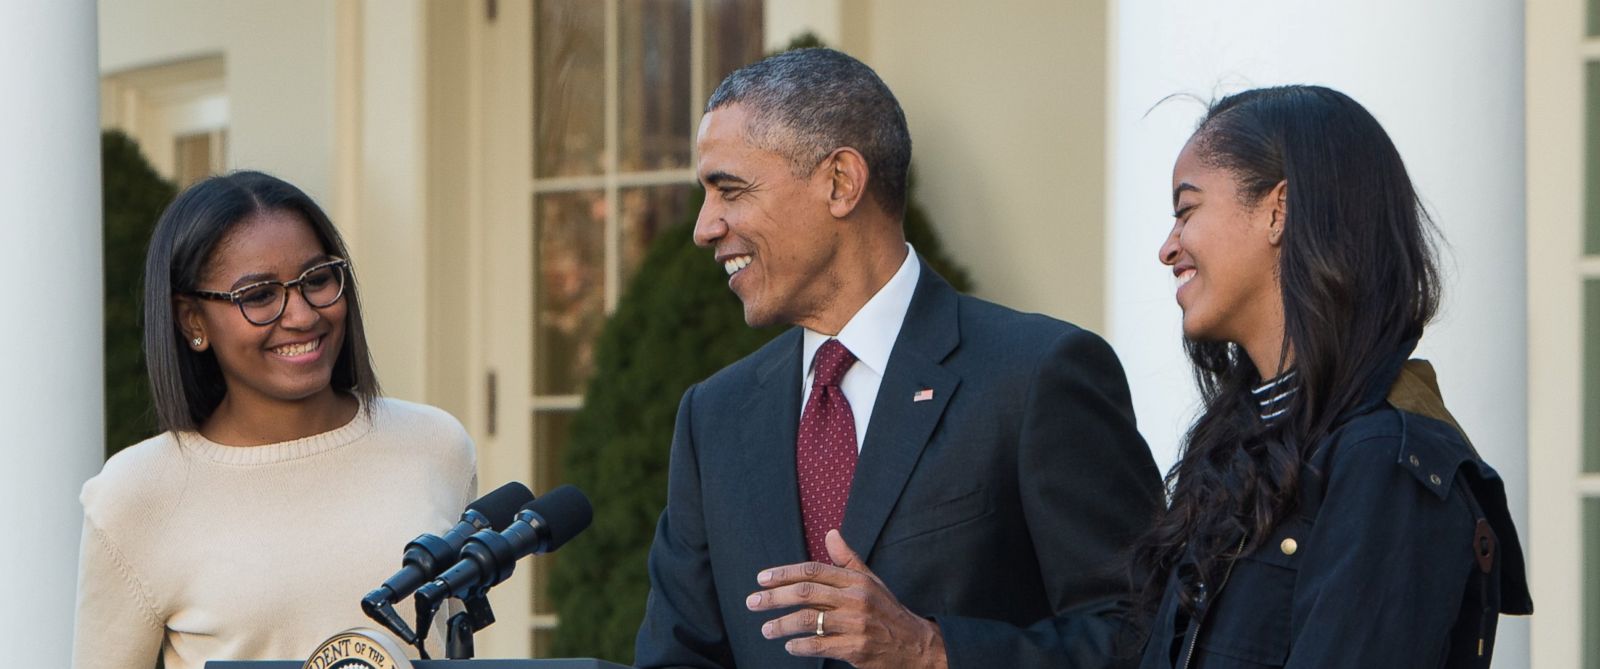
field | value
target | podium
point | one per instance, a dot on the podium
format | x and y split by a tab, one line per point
583	663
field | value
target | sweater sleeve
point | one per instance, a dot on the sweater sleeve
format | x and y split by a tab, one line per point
117	626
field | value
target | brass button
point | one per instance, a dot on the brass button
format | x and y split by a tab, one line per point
1289	546
1433	478
1415	462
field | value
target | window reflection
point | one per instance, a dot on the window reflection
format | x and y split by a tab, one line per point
645	211
1591	245
733	38
654	87
570	288
569	91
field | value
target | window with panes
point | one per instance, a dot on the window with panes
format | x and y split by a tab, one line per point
617	92
1589	276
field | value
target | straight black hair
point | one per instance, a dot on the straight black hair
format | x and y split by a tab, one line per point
187	385
1358	279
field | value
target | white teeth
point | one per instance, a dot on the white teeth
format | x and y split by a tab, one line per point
292	350
735	264
1184	277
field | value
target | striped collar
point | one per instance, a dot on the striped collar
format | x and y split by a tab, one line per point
1272	396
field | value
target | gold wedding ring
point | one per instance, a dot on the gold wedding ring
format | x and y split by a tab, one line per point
820	614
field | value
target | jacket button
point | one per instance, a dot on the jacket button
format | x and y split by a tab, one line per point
1415	462
1434	479
1289	546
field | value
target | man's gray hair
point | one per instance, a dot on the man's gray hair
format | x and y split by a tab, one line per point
805	103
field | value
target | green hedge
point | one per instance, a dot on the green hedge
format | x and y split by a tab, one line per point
133	196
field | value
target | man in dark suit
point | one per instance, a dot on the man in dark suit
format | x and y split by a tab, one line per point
910	477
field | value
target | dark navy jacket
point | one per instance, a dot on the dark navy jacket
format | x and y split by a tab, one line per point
1401	554
1000	508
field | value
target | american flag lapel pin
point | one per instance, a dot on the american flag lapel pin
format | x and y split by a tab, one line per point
923	395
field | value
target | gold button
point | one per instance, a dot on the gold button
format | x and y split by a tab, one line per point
1415	462
1433	478
1289	546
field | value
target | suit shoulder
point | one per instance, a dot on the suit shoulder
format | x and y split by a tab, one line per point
739	377
994	320
1028	338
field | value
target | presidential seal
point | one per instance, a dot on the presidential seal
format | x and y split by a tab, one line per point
358	648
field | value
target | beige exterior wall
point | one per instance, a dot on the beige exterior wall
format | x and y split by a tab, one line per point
1009	142
453	358
278	58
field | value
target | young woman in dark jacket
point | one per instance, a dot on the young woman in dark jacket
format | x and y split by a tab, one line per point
1327	510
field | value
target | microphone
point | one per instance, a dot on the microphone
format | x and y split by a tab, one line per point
488	557
428	555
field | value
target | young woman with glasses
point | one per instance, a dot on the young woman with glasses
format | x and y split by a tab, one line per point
283	486
1327	511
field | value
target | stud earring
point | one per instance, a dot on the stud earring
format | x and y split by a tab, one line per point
198	341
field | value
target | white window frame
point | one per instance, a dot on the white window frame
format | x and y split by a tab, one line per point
506	53
1557	53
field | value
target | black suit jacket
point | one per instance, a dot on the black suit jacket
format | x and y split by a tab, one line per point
1001	508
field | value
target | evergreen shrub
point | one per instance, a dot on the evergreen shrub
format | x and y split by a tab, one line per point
133	196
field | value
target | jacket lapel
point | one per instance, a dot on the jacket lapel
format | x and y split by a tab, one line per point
904	416
770	420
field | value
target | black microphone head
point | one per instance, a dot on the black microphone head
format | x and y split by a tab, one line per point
566	512
501	505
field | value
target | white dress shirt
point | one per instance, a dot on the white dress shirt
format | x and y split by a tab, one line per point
870	336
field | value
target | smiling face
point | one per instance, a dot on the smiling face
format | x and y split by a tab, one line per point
770	230
1223	250
289	360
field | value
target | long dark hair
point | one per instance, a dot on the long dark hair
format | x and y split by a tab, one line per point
1358	279
187	385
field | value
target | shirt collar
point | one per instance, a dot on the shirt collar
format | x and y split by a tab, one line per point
871	332
1272	397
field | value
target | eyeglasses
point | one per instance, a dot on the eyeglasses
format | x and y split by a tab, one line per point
263	303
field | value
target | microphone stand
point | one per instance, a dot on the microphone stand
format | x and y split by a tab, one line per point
426	610
477	616
379	609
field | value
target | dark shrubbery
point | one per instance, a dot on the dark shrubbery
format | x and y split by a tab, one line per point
133	197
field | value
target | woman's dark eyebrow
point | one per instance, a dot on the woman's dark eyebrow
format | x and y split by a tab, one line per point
258	277
317	259
1185	186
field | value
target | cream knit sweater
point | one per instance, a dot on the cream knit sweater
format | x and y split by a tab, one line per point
199	551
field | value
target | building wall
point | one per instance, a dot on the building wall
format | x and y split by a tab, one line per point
1009	146
1446	83
278	57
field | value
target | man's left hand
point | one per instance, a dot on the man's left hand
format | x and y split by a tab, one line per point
862	622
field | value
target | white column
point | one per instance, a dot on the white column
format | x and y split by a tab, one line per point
51	398
1445	80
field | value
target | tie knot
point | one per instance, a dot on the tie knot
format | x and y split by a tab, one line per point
832	361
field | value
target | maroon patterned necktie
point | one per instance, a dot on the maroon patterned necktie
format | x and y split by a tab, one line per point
825	452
